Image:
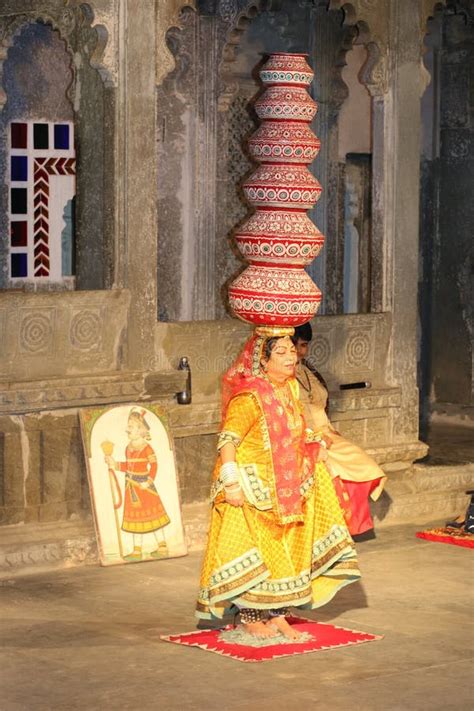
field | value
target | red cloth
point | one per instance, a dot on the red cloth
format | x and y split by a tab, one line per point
359	518
325	637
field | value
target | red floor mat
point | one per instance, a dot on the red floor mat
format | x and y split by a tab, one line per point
323	637
455	536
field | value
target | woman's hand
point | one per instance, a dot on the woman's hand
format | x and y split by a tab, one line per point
322	455
234	495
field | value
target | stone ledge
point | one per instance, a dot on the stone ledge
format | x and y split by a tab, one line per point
364	399
195	419
204	417
424	493
83	391
400	452
36	547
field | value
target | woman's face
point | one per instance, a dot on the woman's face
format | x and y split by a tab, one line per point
281	364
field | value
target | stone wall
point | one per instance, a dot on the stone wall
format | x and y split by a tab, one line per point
447	214
61	335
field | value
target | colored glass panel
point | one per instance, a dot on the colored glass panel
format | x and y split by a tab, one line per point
40	136
19	168
61	136
19	135
19	264
19	201
19	234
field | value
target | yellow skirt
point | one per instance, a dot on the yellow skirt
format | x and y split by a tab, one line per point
251	561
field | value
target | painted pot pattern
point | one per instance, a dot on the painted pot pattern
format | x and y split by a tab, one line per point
279	239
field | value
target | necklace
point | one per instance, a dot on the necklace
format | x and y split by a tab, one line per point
284	395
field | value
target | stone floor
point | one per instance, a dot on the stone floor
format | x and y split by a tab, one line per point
88	638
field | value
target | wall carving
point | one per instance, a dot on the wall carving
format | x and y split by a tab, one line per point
235	20
321	351
85	332
62	325
36	331
239	125
429	8
359	352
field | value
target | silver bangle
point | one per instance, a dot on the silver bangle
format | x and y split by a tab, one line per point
232	488
229	473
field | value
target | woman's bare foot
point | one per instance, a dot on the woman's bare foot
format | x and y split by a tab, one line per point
259	629
281	624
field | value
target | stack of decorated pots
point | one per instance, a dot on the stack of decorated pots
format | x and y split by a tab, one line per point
279	239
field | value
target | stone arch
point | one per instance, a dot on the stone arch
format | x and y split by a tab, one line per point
13	29
64	21
168	17
41	97
238	23
82	39
356	20
199	146
358	17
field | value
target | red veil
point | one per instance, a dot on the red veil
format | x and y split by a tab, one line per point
246	375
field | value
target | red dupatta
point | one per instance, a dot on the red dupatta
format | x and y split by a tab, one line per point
245	375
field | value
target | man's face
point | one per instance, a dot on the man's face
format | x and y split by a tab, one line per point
301	349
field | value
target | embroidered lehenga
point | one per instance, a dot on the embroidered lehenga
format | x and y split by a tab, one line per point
288	545
357	476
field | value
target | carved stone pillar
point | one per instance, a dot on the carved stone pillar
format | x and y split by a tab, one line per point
137	157
401	158
203	293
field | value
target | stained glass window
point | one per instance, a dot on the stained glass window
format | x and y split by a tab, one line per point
61	136
19	202
42	188
41	136
19	135
19	264
19	168
19	233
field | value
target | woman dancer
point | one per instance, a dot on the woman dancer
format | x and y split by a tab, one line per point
277	536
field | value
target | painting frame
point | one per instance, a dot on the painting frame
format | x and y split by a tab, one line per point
135	501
